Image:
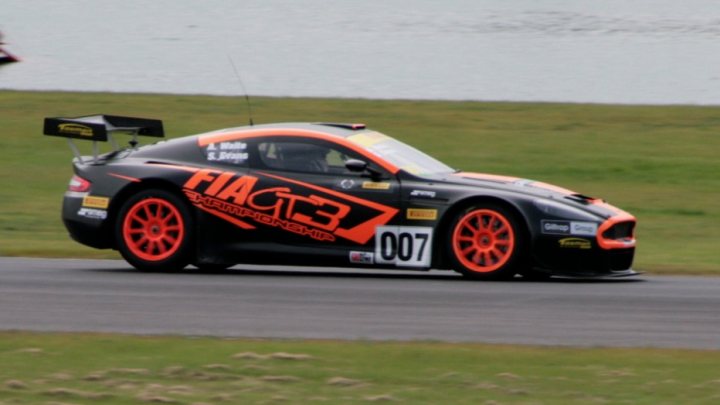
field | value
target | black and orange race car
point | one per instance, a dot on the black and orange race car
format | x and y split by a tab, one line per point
325	194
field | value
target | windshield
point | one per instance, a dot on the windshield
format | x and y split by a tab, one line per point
401	155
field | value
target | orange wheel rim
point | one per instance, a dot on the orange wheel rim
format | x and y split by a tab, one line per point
153	229
483	240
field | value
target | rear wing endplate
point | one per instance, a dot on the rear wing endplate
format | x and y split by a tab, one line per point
99	128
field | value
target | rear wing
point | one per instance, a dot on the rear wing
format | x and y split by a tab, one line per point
99	128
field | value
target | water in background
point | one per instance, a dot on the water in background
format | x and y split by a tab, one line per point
610	51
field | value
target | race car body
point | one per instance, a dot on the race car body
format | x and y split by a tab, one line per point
326	194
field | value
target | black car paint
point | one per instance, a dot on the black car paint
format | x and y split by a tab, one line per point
119	174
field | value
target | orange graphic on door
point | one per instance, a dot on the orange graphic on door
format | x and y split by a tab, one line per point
294	206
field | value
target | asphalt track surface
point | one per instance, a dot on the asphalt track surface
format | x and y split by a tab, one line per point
283	302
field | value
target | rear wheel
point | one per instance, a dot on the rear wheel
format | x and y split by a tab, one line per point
486	241
154	231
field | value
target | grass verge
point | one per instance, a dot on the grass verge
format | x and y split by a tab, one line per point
117	369
658	162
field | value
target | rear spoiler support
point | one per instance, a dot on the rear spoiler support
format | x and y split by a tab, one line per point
99	128
77	153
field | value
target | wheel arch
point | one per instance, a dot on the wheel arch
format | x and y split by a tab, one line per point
443	229
129	190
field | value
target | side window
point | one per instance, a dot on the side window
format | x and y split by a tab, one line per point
269	156
304	156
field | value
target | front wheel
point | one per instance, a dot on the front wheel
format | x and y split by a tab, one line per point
154	231
487	242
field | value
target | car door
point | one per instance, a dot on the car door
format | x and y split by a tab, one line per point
314	202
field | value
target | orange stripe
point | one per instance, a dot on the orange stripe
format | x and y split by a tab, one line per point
488	177
128	178
551	187
178	167
616	210
204	140
510	179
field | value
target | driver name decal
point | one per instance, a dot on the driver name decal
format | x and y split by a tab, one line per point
301	208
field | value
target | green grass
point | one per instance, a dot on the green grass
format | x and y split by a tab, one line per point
661	163
117	369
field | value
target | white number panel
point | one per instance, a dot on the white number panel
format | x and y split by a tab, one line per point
407	246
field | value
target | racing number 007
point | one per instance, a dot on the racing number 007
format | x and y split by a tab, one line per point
408	246
401	245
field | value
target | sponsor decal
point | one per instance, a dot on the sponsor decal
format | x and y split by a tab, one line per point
423	194
408	246
227	156
76	194
361	257
374	185
92	213
556	227
422	214
75	129
575	243
347	184
297	207
96	202
230	152
227	146
569	228
583	228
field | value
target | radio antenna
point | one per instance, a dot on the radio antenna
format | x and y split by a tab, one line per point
242	87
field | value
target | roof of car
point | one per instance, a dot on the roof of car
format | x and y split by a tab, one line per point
332	132
331	128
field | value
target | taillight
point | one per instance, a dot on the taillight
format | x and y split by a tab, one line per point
79	184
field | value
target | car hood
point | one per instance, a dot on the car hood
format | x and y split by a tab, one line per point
515	183
536	189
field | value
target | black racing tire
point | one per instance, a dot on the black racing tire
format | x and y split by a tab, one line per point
155	231
487	241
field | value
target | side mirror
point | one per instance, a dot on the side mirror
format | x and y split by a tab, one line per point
359	166
355	165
